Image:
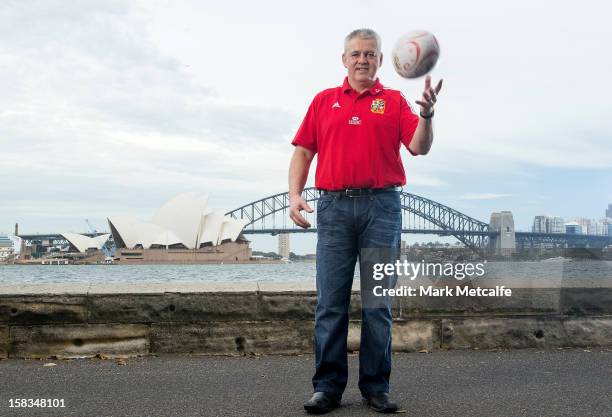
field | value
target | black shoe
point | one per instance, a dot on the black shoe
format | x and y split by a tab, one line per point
381	403
322	402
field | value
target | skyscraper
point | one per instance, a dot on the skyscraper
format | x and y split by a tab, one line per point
585	225
539	224
573	228
548	224
555	225
283	245
609	211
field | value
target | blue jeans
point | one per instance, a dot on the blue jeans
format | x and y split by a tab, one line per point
346	226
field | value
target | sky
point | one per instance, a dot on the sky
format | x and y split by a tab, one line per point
114	107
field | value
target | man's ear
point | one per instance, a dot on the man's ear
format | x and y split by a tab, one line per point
344	60
381	59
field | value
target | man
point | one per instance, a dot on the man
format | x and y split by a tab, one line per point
357	130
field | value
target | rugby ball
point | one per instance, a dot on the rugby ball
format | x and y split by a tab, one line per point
415	53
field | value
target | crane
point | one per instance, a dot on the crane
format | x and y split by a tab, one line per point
91	229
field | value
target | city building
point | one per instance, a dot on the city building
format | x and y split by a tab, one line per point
7	249
539	224
600	227
556	225
607	226
593	226
548	224
573	228
585	224
283	245
609	211
184	230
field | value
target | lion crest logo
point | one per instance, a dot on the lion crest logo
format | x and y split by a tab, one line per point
378	106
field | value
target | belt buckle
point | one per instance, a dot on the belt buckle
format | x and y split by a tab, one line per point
353	192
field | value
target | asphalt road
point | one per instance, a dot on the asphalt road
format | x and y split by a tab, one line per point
574	382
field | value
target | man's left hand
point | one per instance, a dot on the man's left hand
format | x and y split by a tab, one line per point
430	96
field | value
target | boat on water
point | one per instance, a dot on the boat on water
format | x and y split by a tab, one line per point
7	249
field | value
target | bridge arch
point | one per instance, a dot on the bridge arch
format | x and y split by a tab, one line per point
437	218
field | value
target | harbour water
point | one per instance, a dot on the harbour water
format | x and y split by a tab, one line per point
290	272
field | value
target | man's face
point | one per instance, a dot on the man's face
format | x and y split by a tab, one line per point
362	60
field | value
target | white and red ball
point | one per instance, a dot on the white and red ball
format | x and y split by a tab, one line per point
415	53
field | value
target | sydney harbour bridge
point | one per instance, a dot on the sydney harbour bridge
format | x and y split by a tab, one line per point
420	215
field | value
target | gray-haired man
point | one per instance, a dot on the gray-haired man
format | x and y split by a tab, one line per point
356	130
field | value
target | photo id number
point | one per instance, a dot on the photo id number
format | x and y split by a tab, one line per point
36	403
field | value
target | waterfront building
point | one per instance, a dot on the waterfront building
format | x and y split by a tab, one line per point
600	227
585	225
184	230
7	248
592	226
573	228
548	224
609	211
283	245
539	224
556	225
607	226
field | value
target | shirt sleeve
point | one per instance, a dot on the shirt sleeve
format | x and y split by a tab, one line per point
306	135
408	122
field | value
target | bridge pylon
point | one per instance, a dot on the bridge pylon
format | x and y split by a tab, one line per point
504	241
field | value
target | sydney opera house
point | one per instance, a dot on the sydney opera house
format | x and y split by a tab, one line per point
184	230
83	243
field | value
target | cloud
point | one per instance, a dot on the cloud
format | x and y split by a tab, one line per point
95	118
483	196
113	105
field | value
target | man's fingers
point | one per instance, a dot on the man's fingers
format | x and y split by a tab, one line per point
301	221
432	95
307	207
428	82
439	86
298	219
422	103
429	97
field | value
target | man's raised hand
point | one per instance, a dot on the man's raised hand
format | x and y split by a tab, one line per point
430	97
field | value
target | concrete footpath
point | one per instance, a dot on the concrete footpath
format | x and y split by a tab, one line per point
558	382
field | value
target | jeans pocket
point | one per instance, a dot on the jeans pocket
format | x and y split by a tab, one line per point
389	202
324	202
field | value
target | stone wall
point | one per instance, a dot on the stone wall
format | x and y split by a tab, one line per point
84	320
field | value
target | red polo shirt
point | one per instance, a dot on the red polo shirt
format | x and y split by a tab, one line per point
357	136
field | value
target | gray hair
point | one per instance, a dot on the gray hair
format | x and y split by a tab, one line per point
363	33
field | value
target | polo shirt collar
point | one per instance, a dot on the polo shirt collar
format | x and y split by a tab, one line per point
375	89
